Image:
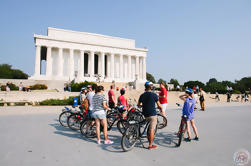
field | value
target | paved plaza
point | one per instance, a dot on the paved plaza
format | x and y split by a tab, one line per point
32	136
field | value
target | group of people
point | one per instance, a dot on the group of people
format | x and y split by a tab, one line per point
93	101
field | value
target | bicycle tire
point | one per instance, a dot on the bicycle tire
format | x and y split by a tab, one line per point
130	136
122	125
63	118
88	129
162	121
181	134
74	122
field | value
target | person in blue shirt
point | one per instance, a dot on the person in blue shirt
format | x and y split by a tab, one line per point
148	100
188	113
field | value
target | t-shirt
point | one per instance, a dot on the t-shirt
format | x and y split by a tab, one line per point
148	99
110	95
162	93
188	108
97	101
122	100
90	97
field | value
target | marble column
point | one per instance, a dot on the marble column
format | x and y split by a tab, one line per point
129	67
60	63
91	64
137	67
38	61
144	68
102	65
121	64
108	66
48	62
81	65
71	65
140	68
112	66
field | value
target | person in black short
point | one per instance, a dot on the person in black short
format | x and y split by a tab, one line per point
147	100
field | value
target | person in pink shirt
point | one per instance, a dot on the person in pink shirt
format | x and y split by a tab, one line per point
111	97
163	98
122	100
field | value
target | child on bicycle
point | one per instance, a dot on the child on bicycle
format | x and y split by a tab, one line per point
188	113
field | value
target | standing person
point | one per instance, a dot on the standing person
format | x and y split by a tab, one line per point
99	106
89	96
228	96
195	96
148	100
111	97
122	100
83	100
20	87
217	98
8	87
202	99
188	113
163	98
197	88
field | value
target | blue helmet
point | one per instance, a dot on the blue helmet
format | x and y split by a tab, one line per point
148	83
189	90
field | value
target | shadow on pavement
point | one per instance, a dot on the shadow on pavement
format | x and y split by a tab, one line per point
166	139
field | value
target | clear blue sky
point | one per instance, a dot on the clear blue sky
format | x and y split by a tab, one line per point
187	39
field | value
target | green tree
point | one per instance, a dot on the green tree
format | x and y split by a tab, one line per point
174	81
8	73
191	84
150	77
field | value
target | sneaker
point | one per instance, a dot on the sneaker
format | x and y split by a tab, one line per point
152	147
99	142
196	138
108	142
187	139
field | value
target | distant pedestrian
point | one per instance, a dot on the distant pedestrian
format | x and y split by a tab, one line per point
8	87
202	99
217	98
20	86
228	96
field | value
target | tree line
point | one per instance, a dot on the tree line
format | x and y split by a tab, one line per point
212	86
6	72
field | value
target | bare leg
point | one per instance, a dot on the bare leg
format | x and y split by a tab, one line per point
194	128
97	128
104	123
151	137
188	130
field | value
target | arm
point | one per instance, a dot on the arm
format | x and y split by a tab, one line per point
105	106
159	106
183	97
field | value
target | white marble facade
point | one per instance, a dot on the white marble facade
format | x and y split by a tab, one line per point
84	56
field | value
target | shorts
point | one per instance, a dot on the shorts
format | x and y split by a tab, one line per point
111	104
98	114
164	107
152	122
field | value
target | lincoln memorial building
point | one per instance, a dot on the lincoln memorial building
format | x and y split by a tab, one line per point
67	55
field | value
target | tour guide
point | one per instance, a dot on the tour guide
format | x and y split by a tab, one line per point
148	100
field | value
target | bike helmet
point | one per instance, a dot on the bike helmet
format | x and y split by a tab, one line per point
189	90
83	88
148	83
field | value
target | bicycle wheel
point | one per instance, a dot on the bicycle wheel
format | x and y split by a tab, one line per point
63	118
181	134
162	121
135	115
122	125
129	138
111	119
88	128
74	121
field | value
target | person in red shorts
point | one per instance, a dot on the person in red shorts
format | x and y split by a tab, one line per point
163	98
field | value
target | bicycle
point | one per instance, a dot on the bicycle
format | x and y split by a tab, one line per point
66	112
75	119
182	130
135	132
